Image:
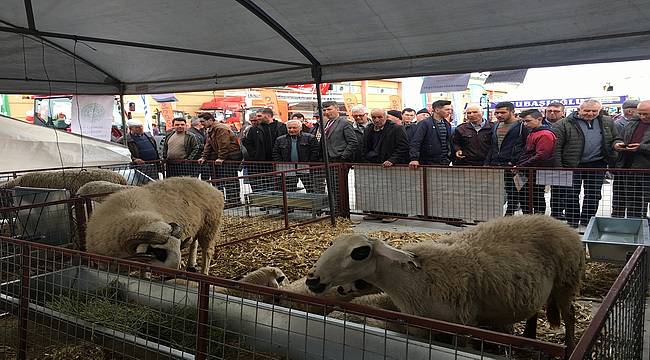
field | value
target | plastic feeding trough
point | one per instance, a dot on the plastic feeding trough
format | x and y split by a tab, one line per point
615	239
254	326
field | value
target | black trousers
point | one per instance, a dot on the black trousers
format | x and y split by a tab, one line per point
592	183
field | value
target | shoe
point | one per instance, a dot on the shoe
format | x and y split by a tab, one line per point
371	217
388	220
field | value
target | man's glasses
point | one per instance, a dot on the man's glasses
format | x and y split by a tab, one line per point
554	111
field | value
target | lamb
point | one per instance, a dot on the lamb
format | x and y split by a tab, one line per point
268	276
154	222
71	180
100	187
496	274
347	292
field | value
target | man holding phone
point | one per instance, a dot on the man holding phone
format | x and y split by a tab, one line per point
631	188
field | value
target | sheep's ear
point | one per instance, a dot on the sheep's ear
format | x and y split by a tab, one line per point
397	255
177	230
361	252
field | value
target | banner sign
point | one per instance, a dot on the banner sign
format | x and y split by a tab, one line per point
540	103
93	116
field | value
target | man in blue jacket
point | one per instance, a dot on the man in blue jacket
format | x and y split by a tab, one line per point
431	144
508	140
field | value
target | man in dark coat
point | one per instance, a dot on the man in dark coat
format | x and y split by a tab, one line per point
471	139
632	188
259	144
431	143
585	139
297	146
508	140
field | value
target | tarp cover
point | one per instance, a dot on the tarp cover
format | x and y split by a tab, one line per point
25	146
349	39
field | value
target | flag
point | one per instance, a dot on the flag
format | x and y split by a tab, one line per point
93	115
444	83
147	116
4	105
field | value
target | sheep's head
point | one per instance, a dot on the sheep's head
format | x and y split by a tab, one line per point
158	243
267	276
353	257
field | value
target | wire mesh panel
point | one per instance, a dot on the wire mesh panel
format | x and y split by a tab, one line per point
57	299
616	332
37	214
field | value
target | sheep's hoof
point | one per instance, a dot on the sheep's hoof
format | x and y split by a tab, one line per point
192	269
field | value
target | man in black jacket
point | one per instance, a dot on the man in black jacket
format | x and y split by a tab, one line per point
384	143
259	144
297	146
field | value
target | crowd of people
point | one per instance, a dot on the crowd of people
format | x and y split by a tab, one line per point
538	138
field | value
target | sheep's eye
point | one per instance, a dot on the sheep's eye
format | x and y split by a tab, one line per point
280	279
360	253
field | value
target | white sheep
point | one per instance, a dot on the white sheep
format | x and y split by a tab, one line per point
155	221
495	274
71	180
379	301
100	187
347	292
267	276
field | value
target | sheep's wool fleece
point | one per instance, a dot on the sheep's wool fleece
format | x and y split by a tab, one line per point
193	204
499	272
71	180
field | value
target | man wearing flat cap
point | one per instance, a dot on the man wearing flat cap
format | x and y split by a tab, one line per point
142	147
629	111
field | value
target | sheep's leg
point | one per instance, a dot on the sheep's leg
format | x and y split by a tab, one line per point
191	261
569	316
207	258
531	327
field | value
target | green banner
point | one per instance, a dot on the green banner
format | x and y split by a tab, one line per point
4	105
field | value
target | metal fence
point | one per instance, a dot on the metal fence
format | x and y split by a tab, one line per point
616	331
458	195
61	301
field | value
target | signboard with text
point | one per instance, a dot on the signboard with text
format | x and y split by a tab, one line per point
540	103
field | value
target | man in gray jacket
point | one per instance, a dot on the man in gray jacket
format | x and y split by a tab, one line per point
342	141
585	139
632	188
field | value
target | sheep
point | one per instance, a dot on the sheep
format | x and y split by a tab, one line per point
380	301
71	180
100	187
346	292
154	222
495	274
267	276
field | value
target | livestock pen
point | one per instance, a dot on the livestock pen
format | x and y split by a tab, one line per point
47	292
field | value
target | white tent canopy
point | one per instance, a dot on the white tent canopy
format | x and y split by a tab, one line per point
25	146
161	46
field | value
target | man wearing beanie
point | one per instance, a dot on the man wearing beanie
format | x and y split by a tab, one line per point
421	115
629	111
395	116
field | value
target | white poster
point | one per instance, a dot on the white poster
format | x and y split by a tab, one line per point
93	116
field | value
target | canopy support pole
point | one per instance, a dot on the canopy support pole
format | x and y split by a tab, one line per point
316	73
122	114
